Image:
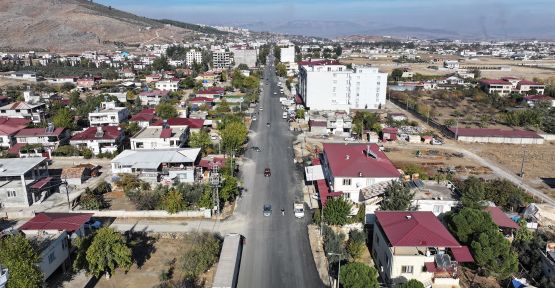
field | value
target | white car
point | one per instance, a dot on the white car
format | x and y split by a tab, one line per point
254	118
350	139
261	108
436	142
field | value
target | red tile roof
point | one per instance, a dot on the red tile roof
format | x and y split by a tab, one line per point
141	117
526	82
212	90
462	254
201	99
57	221
10	126
500	218
324	191
166	133
39	132
391	130
350	160
415	228
318	62
110	133
16	148
192	123
41	183
316	123
486	132
208	162
538	97
494	82
159	93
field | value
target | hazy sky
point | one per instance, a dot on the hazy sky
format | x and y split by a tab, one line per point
469	17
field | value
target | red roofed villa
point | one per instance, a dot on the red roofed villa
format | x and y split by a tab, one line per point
99	139
70	222
212	92
415	245
349	168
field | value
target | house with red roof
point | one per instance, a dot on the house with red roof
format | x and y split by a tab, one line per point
34	112
505	224
506	85
144	118
491	86
153	78
525	86
100	139
194	125
72	223
493	135
49	137
349	168
531	100
211	92
153	97
415	245
9	127
197	102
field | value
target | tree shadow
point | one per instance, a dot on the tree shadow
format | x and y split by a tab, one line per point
142	246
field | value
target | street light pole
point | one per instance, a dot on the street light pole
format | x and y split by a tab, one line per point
339	264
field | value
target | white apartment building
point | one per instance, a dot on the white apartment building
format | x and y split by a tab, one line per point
158	137
168	85
109	115
326	85
287	54
244	55
221	58
193	56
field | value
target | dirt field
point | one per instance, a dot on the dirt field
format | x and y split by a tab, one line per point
539	164
147	275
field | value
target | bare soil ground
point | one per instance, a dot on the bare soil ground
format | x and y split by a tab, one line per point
118	201
539	163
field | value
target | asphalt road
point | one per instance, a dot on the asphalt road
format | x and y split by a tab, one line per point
277	250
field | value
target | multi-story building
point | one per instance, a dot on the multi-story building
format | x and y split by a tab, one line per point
9	127
160	137
168	85
153	97
221	58
109	115
507	85
287	53
34	112
244	55
193	56
327	85
23	181
99	139
415	245
48	137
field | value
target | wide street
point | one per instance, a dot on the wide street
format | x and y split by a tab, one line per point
277	251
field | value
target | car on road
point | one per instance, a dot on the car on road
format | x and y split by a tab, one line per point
350	139
268	124
275	93
267	210
261	108
93	224
267	172
324	136
298	208
256	149
254	118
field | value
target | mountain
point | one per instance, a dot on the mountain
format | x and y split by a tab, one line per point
79	25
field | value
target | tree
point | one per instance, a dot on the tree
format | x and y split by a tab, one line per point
505	194
281	70
336	211
233	135
107	252
523	234
413	283
243	66
173	201
230	189
397	197
200	140
299	114
358	275
493	252
473	192
467	223
166	110
18	255
63	119
356	244
204	254
160	63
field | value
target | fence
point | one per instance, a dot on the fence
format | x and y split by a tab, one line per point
411	109
202	213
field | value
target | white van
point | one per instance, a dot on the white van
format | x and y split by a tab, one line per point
284	116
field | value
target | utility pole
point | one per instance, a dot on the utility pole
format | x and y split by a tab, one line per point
339	263
522	164
215	183
67	194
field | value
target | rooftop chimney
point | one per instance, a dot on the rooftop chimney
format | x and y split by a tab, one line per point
408	217
347	157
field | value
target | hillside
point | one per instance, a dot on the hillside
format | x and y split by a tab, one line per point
78	25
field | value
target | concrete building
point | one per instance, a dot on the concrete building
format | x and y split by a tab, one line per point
34	112
100	139
153	97
49	137
415	245
160	137
221	58
168	85
244	55
433	197
108	115
23	181
53	248
287	53
193	56
349	168
158	166
327	85
9	127
492	135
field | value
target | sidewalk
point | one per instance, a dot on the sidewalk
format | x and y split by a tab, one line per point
316	245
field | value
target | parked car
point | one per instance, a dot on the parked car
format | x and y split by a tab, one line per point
268	124
350	139
436	142
254	118
261	108
93	224
267	172
256	149
267	210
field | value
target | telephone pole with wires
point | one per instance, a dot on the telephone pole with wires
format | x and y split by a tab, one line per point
215	183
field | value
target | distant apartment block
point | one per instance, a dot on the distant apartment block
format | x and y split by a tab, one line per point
168	85
193	56
287	53
328	85
109	115
221	58
244	55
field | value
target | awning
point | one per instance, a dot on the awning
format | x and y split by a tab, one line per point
41	183
430	266
314	173
462	254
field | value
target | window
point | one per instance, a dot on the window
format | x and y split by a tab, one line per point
347	182
51	258
11	193
407	269
438	209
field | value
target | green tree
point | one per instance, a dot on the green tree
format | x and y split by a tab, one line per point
243	66
200	140
173	201
18	255
161	63
299	114
396	74
205	253
397	197
230	189
467	223
356	244
523	234
233	135
336	211
413	283
473	191
166	110
281	70
107	252
63	119
358	275
493	252
505	194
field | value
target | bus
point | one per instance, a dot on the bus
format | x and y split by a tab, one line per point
227	272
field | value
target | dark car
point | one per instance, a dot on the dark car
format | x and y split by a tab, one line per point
267	172
256	149
267	210
268	124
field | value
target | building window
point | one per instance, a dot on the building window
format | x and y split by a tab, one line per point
438	209
11	193
51	258
407	269
347	182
